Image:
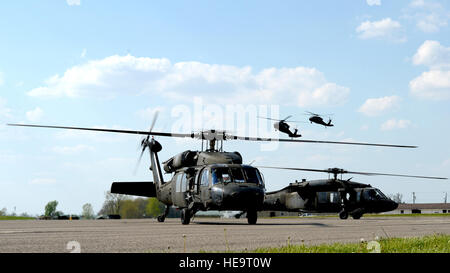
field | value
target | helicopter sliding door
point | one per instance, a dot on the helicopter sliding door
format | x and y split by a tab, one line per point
328	201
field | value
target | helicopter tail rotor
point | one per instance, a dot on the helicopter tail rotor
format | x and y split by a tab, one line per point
145	141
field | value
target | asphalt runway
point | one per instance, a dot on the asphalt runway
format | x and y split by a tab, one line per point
203	234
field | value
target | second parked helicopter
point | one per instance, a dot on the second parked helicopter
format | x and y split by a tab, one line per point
332	195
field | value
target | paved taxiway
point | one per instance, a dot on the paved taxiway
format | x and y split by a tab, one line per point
204	234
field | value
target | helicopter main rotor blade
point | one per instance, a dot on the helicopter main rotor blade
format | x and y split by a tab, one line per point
269	118
211	135
400	175
340	171
293	169
319	141
106	130
310	113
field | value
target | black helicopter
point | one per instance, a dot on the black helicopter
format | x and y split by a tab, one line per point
210	179
316	118
282	126
332	195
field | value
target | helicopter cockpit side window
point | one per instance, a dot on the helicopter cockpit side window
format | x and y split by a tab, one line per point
373	194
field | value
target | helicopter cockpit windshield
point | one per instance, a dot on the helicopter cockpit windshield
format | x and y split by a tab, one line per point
236	175
374	194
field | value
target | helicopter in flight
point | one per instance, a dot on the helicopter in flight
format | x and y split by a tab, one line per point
209	179
332	195
282	126
316	118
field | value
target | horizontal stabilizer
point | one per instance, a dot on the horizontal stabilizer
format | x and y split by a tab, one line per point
146	189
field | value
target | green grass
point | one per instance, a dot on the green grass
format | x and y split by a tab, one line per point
438	243
15	218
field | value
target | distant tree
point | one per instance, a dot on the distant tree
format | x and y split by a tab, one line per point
398	198
130	210
88	211
50	208
113	203
3	212
154	207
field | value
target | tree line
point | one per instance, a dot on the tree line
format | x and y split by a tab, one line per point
117	204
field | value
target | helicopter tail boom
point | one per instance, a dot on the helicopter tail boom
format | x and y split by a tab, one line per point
145	189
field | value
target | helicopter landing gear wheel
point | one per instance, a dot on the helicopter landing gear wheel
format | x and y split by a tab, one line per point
356	216
343	215
185	216
161	218
252	217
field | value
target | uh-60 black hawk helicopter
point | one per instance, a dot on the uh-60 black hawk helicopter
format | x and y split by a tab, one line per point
210	179
318	119
332	195
282	126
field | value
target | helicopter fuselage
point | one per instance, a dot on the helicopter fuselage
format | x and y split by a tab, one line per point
319	120
328	196
214	187
284	127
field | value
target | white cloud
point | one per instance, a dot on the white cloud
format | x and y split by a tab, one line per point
35	114
72	150
429	16
73	2
83	53
115	75
433	55
378	106
43	181
384	29
393	124
435	83
373	2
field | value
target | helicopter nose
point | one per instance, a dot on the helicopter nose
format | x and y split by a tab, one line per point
238	197
394	205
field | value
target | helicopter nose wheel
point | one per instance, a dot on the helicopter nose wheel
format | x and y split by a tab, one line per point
343	214
252	217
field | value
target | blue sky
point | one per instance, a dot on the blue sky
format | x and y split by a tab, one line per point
382	67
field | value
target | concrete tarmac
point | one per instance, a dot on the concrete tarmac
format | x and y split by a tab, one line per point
203	234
